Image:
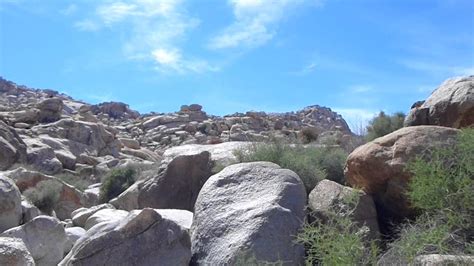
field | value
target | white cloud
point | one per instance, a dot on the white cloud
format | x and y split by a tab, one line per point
153	31
167	60
115	12
356	118
166	57
255	22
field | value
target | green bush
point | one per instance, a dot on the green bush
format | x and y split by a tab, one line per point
44	195
293	157
384	124
311	164
336	241
116	182
332	161
308	135
442	189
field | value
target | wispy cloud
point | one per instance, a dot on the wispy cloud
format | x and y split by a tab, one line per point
255	22
305	70
361	88
69	10
437	69
154	32
87	25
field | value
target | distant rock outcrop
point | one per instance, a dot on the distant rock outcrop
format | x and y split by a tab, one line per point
115	110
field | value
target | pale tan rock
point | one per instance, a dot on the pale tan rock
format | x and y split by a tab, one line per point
450	105
379	167
329	196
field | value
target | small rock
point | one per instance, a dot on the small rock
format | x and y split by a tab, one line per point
13	252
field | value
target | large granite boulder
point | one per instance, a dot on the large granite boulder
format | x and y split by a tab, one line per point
144	237
249	211
450	105
10	204
70	198
13	252
380	166
222	154
50	110
329	196
42	157
44	237
12	147
176	186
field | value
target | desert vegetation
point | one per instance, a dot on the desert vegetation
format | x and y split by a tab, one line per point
336	240
44	195
384	124
116	182
442	190
312	164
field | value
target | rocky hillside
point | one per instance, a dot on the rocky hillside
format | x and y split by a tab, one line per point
85	184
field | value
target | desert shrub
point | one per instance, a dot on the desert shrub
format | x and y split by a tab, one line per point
44	195
308	135
78	182
312	164
442	189
116	182
384	124
337	241
292	157
331	160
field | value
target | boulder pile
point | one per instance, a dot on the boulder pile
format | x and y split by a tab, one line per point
193	202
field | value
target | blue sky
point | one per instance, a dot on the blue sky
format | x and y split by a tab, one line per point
354	56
